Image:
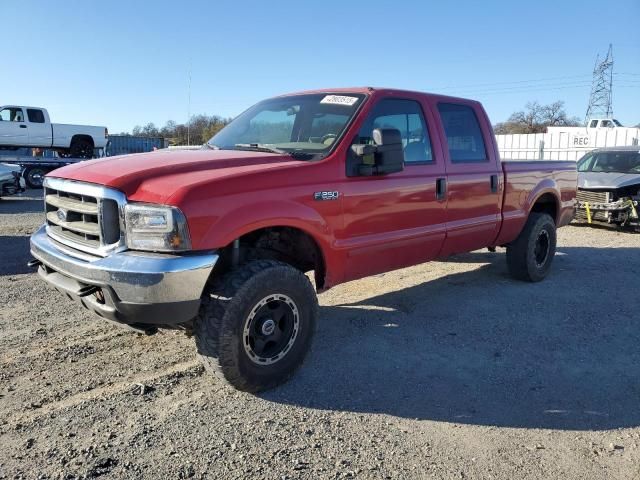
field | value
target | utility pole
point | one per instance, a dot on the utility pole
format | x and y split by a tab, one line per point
189	109
601	88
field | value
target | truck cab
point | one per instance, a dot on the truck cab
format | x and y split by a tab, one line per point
340	183
603	123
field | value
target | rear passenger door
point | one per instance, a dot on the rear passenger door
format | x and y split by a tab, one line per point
474	177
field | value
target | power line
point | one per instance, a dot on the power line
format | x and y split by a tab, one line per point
525	88
523	83
457	87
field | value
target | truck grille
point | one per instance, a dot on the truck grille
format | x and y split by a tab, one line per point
83	216
592	197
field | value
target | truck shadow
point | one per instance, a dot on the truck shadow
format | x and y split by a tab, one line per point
479	348
14	255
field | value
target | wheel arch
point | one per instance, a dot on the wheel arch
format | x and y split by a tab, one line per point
82	136
292	244
546	202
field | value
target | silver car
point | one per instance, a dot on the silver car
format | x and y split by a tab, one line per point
609	186
11	182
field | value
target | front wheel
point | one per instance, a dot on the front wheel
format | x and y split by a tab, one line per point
256	324
529	257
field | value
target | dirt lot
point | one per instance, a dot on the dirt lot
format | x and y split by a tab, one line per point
445	370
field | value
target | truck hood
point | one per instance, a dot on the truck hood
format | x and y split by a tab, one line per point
155	176
607	180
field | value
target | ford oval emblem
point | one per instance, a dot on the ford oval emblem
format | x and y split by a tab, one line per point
62	214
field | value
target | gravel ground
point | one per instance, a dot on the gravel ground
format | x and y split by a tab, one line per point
444	370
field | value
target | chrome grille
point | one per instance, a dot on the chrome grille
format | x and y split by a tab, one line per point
592	197
84	216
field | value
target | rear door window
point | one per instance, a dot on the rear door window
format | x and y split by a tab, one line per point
464	135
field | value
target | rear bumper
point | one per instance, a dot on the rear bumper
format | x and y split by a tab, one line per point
135	288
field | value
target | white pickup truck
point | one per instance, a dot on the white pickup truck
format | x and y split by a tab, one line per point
22	126
593	125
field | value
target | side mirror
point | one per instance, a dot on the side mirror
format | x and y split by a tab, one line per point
385	156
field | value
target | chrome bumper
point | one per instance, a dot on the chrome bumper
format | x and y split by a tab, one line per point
136	288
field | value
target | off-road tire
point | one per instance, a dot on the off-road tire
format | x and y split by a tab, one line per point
521	254
226	306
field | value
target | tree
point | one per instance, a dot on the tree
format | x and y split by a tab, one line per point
536	118
200	129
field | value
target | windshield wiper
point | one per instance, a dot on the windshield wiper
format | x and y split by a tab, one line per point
211	146
260	147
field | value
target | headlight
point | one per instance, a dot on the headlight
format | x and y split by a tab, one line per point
155	228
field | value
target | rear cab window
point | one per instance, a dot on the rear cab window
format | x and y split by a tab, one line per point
35	115
465	140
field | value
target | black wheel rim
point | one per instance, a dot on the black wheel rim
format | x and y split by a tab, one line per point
542	247
36	177
271	329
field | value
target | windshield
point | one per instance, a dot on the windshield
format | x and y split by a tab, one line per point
309	124
618	162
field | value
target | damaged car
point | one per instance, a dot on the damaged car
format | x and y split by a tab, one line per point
609	186
11	181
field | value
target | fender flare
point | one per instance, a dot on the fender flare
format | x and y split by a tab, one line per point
546	186
283	213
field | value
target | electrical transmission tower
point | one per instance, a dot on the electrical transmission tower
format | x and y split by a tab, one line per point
601	88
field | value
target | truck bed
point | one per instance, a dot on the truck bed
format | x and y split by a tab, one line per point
525	181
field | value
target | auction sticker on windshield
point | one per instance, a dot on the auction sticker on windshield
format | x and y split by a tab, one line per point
339	100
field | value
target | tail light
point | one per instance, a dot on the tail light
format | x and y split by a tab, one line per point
106	132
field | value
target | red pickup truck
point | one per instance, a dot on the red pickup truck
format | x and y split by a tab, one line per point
343	183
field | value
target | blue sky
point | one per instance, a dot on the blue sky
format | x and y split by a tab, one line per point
123	63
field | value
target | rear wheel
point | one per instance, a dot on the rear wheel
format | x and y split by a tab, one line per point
529	257
34	176
81	148
256	324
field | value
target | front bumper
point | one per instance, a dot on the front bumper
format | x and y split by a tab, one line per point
136	288
624	210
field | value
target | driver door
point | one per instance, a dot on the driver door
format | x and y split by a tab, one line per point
12	130
395	220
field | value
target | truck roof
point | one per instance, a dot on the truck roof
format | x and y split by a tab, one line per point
382	90
625	148
21	106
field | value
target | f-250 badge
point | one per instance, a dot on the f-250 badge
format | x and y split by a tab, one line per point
326	195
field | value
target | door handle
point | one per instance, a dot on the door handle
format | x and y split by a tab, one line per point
494	183
441	189
23	126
